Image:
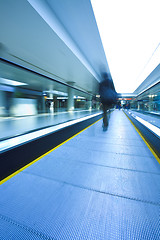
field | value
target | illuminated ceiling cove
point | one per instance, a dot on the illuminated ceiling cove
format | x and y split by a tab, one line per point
57	38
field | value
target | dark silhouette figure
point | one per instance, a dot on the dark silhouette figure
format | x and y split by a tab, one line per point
108	98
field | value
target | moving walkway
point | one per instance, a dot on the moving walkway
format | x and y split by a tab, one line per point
95	185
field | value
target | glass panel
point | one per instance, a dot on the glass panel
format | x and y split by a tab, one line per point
30	101
148	101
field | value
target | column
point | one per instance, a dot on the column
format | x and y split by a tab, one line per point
43	103
150	103
51	101
70	102
55	103
2	103
89	102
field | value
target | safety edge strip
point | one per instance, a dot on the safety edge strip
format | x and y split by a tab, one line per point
37	159
144	139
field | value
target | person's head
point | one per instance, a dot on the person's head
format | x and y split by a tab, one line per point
106	80
106	76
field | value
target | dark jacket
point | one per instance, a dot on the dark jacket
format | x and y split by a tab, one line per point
107	92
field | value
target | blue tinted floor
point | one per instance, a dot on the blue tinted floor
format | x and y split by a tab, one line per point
98	185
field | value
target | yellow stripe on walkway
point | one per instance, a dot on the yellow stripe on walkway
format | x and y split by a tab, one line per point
37	159
145	140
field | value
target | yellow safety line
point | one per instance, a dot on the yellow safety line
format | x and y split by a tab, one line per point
37	159
145	140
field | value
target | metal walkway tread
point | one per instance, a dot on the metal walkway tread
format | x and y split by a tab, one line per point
97	190
98	185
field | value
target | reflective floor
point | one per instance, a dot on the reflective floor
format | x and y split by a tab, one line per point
11	127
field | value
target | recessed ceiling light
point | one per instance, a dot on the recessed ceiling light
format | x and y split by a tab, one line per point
11	82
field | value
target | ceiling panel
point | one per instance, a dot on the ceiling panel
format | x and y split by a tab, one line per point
28	40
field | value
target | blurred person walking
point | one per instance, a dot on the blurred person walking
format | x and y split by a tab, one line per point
108	97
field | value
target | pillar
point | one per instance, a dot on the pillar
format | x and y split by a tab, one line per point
55	103
51	102
70	102
2	103
43	104
89	102
150	103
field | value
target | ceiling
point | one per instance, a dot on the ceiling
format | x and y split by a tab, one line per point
59	39
152	79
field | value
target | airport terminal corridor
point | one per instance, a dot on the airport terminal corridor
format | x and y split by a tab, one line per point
97	185
65	174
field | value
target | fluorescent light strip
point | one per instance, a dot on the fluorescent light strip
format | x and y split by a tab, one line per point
11	82
17	141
